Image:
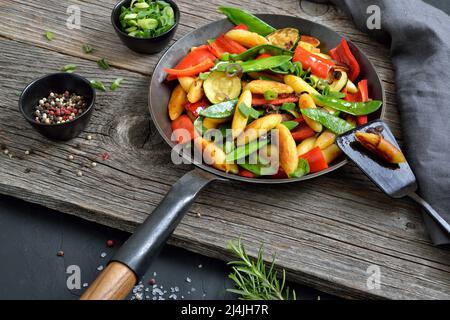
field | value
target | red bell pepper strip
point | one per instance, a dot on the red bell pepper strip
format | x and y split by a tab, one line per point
351	97
364	93
246	173
344	55
263	55
196	107
315	159
191	71
319	66
193	58
302	132
259	100
225	44
240	27
189	132
361	96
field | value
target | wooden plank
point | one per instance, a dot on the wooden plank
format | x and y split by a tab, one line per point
326	232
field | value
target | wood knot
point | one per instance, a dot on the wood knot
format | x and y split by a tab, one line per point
136	132
314	9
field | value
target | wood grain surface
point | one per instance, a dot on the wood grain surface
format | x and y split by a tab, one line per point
326	232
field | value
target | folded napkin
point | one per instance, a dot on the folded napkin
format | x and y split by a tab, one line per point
419	38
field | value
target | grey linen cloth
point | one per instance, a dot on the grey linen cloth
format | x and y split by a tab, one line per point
419	38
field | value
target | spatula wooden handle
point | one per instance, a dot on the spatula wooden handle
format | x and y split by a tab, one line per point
114	283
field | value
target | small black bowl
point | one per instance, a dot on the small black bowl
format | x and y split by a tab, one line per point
58	83
144	45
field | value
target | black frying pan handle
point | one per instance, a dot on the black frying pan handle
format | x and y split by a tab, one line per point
142	247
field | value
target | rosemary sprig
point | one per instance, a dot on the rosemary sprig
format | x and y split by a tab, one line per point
252	279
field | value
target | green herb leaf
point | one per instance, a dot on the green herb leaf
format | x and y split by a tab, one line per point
87	48
253	280
103	64
69	68
270	95
96	84
290	124
49	35
116	84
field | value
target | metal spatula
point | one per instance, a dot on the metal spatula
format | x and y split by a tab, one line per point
397	181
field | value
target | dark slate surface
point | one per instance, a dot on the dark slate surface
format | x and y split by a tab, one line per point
31	236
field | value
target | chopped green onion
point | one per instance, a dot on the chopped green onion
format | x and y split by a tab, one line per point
103	64
302	169
116	84
290	124
247	112
49	35
69	68
225	57
96	84
270	95
87	48
288	106
203	75
147	24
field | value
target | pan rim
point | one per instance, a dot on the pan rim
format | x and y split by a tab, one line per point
228	176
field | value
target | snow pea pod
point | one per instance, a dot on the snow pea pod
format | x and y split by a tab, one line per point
256	65
353	108
221	110
259	169
262	48
331	122
245	150
253	23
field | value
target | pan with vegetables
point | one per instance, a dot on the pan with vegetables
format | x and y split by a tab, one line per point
261	99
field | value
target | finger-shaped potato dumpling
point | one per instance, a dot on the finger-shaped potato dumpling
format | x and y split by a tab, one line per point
246	38
186	82
299	85
259	127
210	123
331	153
306	145
306	102
239	120
262	86
215	156
326	139
380	146
195	91
177	102
288	150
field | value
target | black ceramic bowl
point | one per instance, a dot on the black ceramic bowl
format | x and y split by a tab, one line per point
144	45
57	82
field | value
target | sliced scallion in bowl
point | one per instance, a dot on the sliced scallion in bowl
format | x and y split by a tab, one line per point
146	18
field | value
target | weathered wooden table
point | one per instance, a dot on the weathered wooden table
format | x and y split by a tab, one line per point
330	233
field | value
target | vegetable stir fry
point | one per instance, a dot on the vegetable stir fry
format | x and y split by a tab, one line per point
262	102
